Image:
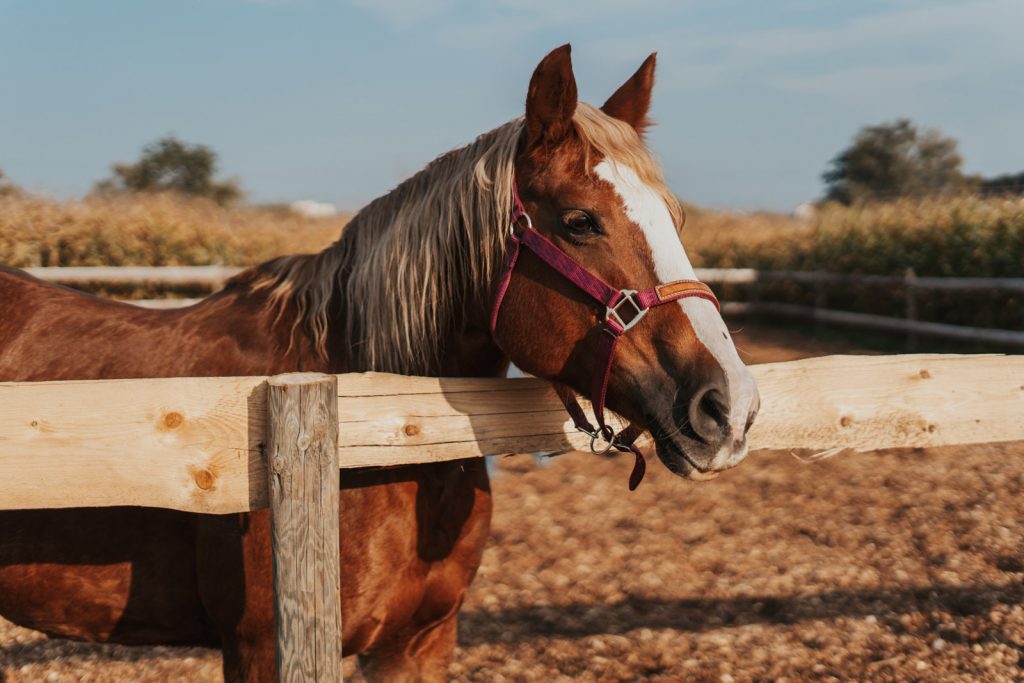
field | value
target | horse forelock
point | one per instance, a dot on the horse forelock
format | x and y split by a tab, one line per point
409	265
619	142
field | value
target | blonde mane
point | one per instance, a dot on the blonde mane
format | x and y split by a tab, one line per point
411	263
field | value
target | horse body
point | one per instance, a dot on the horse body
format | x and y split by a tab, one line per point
408	288
413	536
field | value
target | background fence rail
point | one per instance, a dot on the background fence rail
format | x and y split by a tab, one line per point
214	277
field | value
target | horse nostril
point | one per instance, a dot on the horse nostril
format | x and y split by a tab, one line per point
713	405
709	415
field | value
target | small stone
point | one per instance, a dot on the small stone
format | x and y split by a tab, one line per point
938	644
726	678
871	619
922	665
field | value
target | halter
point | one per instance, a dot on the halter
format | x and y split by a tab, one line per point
624	308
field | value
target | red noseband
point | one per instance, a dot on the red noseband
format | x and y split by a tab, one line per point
624	308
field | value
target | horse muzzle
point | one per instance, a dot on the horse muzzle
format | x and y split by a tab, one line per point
706	430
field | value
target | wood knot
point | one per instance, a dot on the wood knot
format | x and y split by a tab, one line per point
172	420
845	421
932	428
411	430
33	423
924	374
204	479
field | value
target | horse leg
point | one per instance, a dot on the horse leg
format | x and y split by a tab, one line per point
423	657
236	586
249	659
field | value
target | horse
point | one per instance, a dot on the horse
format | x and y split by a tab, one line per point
410	287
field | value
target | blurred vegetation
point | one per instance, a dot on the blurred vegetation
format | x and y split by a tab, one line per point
170	165
7	187
893	160
1002	186
957	237
154	230
952	237
960	236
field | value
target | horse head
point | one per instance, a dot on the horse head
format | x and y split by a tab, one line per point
591	190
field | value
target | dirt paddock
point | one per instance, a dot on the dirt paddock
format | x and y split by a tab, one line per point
903	566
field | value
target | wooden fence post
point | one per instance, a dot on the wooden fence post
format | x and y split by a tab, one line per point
820	304
302	468
910	305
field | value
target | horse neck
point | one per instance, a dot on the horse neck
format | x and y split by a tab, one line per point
471	352
469	349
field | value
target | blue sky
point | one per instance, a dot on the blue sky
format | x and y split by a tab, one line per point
338	101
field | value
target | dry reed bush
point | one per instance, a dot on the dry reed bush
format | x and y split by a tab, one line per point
962	236
152	229
725	238
956	237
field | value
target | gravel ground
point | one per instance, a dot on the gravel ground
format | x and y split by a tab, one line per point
889	566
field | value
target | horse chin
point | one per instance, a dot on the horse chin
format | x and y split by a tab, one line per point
674	457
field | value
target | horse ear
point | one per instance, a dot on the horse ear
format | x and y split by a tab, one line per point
551	99
632	100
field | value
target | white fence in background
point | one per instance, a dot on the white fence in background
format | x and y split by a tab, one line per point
213	277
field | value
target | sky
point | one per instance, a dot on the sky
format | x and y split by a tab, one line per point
338	100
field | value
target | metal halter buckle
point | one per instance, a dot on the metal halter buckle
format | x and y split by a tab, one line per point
638	311
607	433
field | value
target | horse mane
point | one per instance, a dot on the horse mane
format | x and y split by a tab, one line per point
411	263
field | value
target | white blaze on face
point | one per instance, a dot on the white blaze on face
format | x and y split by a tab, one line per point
647	209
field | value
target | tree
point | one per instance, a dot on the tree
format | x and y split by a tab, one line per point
8	188
1002	185
894	160
170	165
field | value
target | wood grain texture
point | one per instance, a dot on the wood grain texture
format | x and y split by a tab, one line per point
302	475
184	443
866	403
194	443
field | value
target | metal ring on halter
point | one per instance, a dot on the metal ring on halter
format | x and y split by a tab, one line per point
512	225
606	433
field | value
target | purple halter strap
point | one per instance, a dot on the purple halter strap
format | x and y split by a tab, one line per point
624	308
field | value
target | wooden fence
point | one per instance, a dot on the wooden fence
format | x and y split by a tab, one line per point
223	444
213	277
909	324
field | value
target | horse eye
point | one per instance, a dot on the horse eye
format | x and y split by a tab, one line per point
580	222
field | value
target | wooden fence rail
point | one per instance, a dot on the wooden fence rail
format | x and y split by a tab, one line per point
964	333
909	282
752	276
214	277
196	443
210	276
